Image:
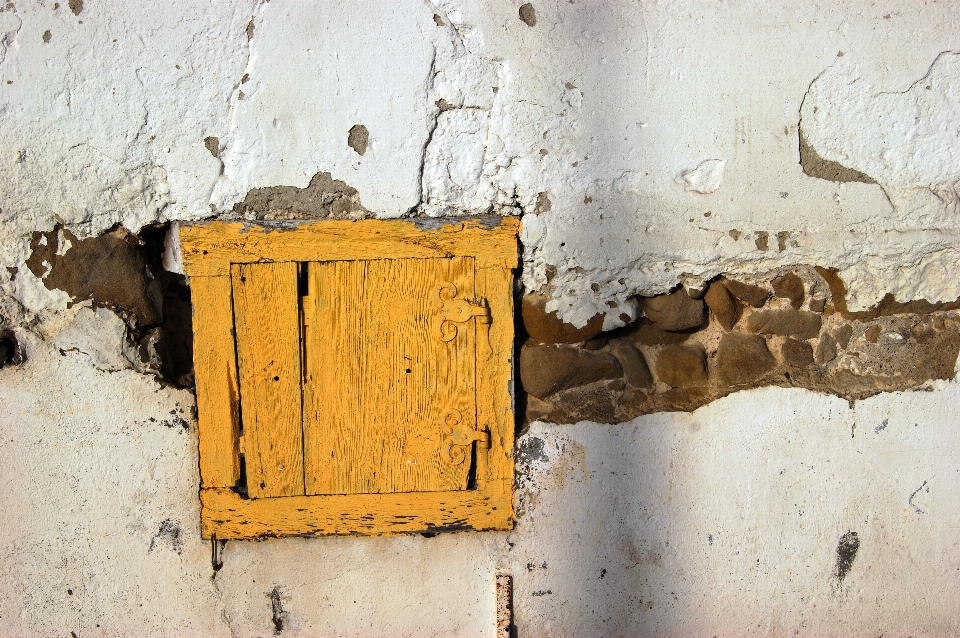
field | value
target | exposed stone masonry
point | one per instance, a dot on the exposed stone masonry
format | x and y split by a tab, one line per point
689	347
122	271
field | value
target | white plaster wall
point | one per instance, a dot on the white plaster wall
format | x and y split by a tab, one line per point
725	521
653	130
608	109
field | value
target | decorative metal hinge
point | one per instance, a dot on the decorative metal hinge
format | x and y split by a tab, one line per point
454	311
458	437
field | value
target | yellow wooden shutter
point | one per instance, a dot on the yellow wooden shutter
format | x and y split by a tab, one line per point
382	390
304	336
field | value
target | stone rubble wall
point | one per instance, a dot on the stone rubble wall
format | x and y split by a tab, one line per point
791	328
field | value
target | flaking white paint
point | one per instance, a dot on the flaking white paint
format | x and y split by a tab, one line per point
602	110
600	107
908	140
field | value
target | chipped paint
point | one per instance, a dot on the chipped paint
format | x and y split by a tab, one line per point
583	118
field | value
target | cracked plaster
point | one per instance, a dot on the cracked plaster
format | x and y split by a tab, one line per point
599	109
473	111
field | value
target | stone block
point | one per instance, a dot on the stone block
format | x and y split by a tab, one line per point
547	327
843	334
743	358
798	354
682	366
723	305
636	373
675	311
747	293
789	286
649	334
826	350
546	369
790	323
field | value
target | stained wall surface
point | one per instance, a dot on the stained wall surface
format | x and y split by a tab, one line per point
645	146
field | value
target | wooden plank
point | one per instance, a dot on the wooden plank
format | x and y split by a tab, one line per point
379	382
227	515
495	381
210	248
267	321
215	364
332	377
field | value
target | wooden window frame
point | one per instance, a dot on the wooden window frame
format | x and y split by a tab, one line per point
209	249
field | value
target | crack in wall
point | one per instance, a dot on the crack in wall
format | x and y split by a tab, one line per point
462	155
816	166
236	95
217	547
849	132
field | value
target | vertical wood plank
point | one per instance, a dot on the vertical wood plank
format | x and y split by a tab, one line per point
215	363
333	378
495	382
409	407
267	317
370	327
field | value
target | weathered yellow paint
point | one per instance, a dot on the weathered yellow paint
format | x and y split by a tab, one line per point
209	249
227	515
215	365
268	352
378	383
355	337
495	374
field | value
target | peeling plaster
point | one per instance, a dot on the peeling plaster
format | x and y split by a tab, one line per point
468	121
907	142
580	116
273	141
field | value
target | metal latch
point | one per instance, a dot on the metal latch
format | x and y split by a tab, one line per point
459	436
454	311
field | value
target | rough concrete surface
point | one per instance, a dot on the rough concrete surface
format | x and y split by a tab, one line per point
647	146
728	521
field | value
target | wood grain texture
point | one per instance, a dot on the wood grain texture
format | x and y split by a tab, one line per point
267	319
215	364
228	516
224	513
378	382
495	383
209	248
